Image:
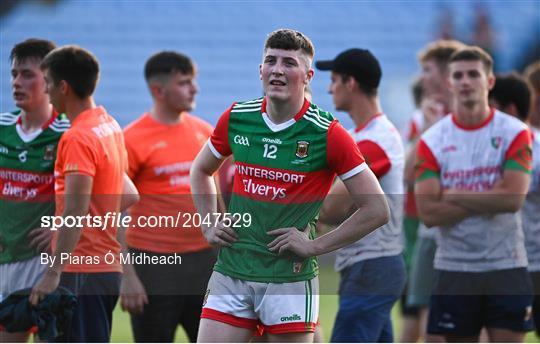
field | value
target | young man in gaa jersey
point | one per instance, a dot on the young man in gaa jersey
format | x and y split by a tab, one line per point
161	146
473	173
28	143
436	103
287	152
91	176
372	269
511	94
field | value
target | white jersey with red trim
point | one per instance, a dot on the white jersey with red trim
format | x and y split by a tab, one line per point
414	130
474	159
382	147
415	127
531	209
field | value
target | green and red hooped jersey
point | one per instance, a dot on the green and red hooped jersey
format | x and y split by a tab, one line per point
26	181
283	173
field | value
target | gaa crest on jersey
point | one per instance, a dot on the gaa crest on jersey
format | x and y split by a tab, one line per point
496	142
297	267
48	155
302	149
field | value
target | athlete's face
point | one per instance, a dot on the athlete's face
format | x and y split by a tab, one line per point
469	82
433	77
56	92
178	92
340	91
285	74
28	84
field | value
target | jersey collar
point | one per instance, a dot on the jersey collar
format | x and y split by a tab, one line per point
46	124
296	117
363	126
476	126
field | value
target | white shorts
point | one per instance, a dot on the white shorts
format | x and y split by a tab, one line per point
20	275
274	307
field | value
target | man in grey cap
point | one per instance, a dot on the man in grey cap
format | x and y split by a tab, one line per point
372	269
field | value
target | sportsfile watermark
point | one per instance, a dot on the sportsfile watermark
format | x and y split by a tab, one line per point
115	220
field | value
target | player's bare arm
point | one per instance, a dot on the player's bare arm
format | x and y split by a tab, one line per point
507	195
372	213
204	193
130	194
133	296
337	206
432	209
77	202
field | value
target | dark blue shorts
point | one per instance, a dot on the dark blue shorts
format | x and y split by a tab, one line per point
464	302
97	294
535	277
367	292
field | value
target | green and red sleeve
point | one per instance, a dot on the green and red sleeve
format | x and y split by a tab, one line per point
219	141
426	163
519	155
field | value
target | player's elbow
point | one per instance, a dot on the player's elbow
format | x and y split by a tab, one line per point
429	222
427	216
514	203
129	200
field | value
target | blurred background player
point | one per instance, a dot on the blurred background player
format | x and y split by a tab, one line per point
481	275
532	75
28	143
511	95
161	146
372	269
266	272
436	103
410	315
90	179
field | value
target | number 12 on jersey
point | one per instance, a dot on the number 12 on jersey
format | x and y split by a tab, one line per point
269	151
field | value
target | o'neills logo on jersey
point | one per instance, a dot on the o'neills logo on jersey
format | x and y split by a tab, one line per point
302	149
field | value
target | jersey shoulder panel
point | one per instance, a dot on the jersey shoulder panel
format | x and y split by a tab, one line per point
60	124
9	118
509	123
319	118
433	134
247	106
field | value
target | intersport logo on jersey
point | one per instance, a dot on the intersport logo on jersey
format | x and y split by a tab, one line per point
266	183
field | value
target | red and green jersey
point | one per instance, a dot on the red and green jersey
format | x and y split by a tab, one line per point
26	181
283	172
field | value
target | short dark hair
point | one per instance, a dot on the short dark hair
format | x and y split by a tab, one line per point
77	66
440	51
166	63
473	53
288	39
512	89
32	48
